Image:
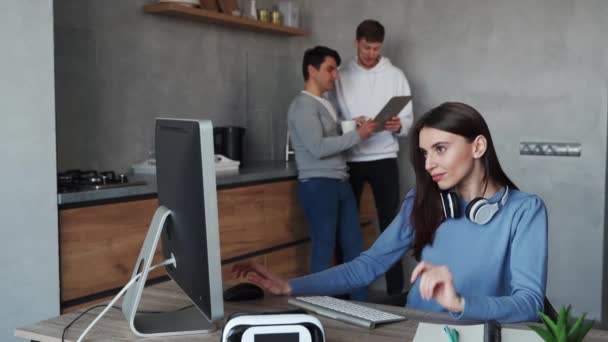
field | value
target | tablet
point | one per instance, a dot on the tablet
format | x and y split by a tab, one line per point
391	108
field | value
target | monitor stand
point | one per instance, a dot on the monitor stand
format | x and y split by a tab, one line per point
182	322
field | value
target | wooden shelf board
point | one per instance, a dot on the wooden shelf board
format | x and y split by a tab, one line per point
184	11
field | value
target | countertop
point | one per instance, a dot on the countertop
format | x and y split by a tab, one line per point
252	172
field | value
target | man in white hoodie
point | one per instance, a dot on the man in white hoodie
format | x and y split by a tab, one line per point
365	85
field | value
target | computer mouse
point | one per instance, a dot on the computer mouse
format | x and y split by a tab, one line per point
243	291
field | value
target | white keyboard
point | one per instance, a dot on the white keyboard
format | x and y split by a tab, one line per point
345	311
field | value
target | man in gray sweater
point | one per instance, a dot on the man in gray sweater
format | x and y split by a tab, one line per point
324	192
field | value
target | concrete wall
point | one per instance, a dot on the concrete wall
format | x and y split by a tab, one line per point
118	68
29	291
537	71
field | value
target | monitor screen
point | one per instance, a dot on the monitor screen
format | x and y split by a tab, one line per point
185	171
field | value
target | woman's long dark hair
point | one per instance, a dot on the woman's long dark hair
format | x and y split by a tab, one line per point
456	118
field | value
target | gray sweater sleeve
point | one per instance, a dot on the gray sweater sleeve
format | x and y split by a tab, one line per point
307	127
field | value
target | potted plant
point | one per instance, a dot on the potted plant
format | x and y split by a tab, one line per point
564	329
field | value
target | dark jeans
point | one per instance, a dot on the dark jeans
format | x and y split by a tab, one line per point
331	212
383	177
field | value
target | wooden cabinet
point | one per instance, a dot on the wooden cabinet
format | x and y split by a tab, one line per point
259	217
287	262
99	245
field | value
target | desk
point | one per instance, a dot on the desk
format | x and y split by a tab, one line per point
167	296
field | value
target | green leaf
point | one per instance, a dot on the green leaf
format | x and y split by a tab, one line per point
562	336
569	320
574	330
584	330
561	320
562	333
549	323
544	334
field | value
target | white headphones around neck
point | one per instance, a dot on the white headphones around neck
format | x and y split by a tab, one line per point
479	210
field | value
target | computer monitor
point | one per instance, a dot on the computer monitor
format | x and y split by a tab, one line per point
187	223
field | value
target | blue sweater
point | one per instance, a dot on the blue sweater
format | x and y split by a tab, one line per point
499	268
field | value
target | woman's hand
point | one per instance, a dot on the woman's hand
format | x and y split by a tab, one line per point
261	276
436	282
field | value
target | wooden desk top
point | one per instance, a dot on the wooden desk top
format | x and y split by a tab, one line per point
167	296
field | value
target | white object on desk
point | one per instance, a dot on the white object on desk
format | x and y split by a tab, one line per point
428	332
519	335
255	327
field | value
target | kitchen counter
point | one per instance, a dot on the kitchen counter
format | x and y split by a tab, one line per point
253	172
258	214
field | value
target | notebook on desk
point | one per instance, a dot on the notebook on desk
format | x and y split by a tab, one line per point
427	332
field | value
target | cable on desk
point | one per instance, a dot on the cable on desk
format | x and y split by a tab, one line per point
65	330
113	307
111	304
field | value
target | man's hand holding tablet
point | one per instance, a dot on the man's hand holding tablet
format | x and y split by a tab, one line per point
387	117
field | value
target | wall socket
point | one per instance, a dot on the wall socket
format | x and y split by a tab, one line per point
550	149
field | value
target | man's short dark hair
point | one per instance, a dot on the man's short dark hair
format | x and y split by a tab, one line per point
316	56
371	30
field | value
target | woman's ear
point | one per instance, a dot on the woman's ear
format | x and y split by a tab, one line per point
480	145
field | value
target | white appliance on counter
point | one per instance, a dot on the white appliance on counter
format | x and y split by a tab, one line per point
223	164
146	167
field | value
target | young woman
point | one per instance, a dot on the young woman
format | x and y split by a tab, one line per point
480	242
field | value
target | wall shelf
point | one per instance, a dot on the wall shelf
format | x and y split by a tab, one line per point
194	13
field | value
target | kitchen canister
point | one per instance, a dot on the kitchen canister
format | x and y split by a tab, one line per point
275	17
264	15
290	12
251	11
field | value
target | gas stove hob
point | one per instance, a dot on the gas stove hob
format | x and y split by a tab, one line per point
89	180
